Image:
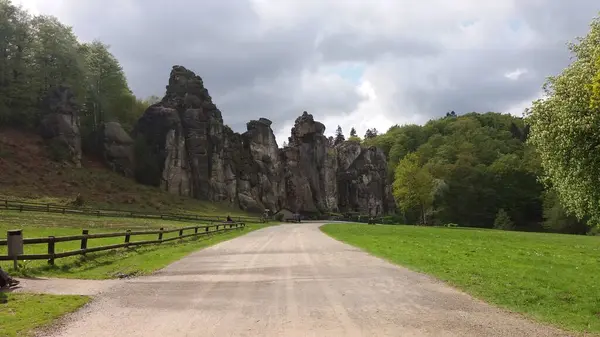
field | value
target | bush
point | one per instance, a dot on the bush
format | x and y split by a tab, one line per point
279	217
503	221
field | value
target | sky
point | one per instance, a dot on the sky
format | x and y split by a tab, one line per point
353	63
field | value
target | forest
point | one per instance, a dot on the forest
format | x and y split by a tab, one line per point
40	53
491	170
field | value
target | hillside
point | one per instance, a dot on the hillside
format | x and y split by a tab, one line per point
474	170
29	173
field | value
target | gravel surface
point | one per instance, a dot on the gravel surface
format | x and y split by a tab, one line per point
289	280
56	286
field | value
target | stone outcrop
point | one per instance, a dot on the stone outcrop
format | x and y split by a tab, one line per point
187	150
117	148
60	125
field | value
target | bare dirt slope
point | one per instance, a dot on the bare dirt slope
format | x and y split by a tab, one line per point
290	280
27	172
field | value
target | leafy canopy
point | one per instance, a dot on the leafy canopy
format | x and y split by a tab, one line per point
565	129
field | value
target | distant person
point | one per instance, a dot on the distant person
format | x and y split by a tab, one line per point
229	219
6	280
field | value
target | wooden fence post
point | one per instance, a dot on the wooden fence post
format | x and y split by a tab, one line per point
6	204
127	236
84	240
47	207
51	244
206	229
180	233
160	235
20	208
196	230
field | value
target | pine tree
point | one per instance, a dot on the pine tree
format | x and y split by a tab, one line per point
339	136
353	132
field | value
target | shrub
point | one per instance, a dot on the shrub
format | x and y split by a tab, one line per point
503	221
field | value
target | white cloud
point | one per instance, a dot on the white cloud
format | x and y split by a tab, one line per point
515	74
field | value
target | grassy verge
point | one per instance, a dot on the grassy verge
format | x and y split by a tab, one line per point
102	265
549	277
25	312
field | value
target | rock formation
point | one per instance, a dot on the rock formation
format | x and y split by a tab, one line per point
183	147
117	148
60	125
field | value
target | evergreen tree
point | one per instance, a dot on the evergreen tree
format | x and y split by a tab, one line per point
339	136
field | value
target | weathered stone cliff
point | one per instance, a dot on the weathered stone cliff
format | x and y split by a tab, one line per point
183	147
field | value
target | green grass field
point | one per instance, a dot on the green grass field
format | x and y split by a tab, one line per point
549	277
102	265
26	312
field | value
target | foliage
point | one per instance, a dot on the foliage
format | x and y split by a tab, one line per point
40	53
354	139
371	133
549	277
413	186
339	136
565	129
503	221
556	218
353	132
463	169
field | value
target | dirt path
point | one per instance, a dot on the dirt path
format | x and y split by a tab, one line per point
56	286
289	280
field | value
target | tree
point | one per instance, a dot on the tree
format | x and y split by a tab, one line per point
565	129
556	219
353	132
413	186
371	133
107	94
451	114
595	87
503	221
339	136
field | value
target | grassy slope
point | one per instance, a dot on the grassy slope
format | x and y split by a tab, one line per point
27	174
550	277
25	312
101	265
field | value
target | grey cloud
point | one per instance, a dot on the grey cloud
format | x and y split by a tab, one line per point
353	46
254	73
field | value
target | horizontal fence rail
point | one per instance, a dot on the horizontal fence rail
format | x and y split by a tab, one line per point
66	209
85	237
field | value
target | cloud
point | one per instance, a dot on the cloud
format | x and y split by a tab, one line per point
355	64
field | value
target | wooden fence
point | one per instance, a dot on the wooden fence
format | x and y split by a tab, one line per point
62	209
85	237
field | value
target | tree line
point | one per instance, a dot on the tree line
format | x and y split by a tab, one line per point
39	53
540	172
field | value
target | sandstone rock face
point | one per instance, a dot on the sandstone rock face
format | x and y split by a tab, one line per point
60	125
183	146
362	180
117	148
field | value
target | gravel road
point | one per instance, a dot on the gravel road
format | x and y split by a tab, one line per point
289	280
